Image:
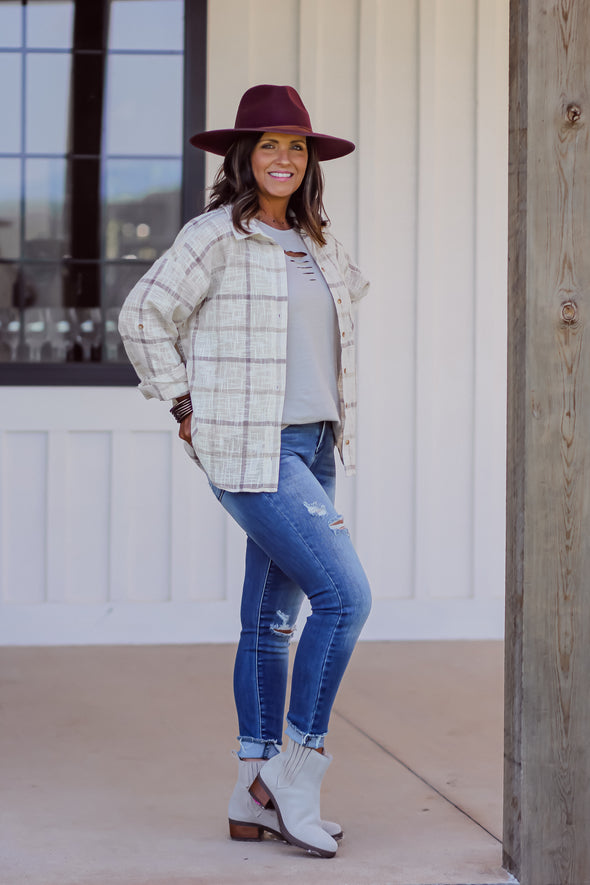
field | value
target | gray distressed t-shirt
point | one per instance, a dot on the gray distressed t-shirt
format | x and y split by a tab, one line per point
311	392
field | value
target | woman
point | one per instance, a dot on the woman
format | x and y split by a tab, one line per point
246	324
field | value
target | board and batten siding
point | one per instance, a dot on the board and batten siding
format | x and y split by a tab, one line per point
109	534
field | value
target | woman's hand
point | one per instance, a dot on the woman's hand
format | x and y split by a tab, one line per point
184	431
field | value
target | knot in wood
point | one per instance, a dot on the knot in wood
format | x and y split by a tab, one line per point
574	112
569	313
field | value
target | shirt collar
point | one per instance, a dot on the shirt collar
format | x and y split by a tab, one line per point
240	234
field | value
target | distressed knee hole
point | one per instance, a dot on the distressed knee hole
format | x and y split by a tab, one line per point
283	628
315	509
338	525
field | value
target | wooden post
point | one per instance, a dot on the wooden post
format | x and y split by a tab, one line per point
547	765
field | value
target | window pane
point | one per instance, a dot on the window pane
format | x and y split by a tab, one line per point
144	105
82	285
142	214
119	280
11	24
161	24
43	285
74	284
8	296
45	187
10	103
9	208
49	24
48	95
62	208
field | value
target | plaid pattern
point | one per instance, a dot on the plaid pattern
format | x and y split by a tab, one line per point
210	316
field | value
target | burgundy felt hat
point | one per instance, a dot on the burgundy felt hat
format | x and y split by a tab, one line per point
272	109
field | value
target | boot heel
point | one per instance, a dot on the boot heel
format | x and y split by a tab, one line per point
245	832
259	793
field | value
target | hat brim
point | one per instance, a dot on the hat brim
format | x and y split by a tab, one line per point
218	141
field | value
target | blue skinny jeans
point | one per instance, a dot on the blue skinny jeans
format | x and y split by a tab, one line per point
297	545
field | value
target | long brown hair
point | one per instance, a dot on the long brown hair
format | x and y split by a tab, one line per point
235	185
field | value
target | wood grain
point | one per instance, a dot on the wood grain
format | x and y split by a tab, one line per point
547	752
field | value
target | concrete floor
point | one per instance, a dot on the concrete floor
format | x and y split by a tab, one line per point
116	768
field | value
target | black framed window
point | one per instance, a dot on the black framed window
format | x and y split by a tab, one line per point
96	174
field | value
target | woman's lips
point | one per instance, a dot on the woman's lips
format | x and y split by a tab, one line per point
281	176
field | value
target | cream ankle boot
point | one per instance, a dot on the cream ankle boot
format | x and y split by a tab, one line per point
291	781
247	818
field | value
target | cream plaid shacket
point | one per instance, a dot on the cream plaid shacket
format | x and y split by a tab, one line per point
210	317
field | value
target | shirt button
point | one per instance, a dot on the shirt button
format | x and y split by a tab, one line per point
344	334
140	326
347	442
340	301
344	370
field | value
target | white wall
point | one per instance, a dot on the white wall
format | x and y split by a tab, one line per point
107	532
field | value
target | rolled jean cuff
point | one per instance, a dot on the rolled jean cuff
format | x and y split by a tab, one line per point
313	741
257	748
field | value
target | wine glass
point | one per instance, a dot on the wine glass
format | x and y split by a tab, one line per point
60	332
35	332
89	330
10	328
111	334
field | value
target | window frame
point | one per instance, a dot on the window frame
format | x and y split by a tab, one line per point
99	374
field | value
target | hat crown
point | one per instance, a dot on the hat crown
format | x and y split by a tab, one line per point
267	106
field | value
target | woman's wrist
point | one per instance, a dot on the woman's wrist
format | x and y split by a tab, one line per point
182	408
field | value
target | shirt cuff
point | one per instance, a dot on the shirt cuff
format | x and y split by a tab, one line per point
165	388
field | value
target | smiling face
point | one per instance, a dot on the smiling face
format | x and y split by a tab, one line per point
278	163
